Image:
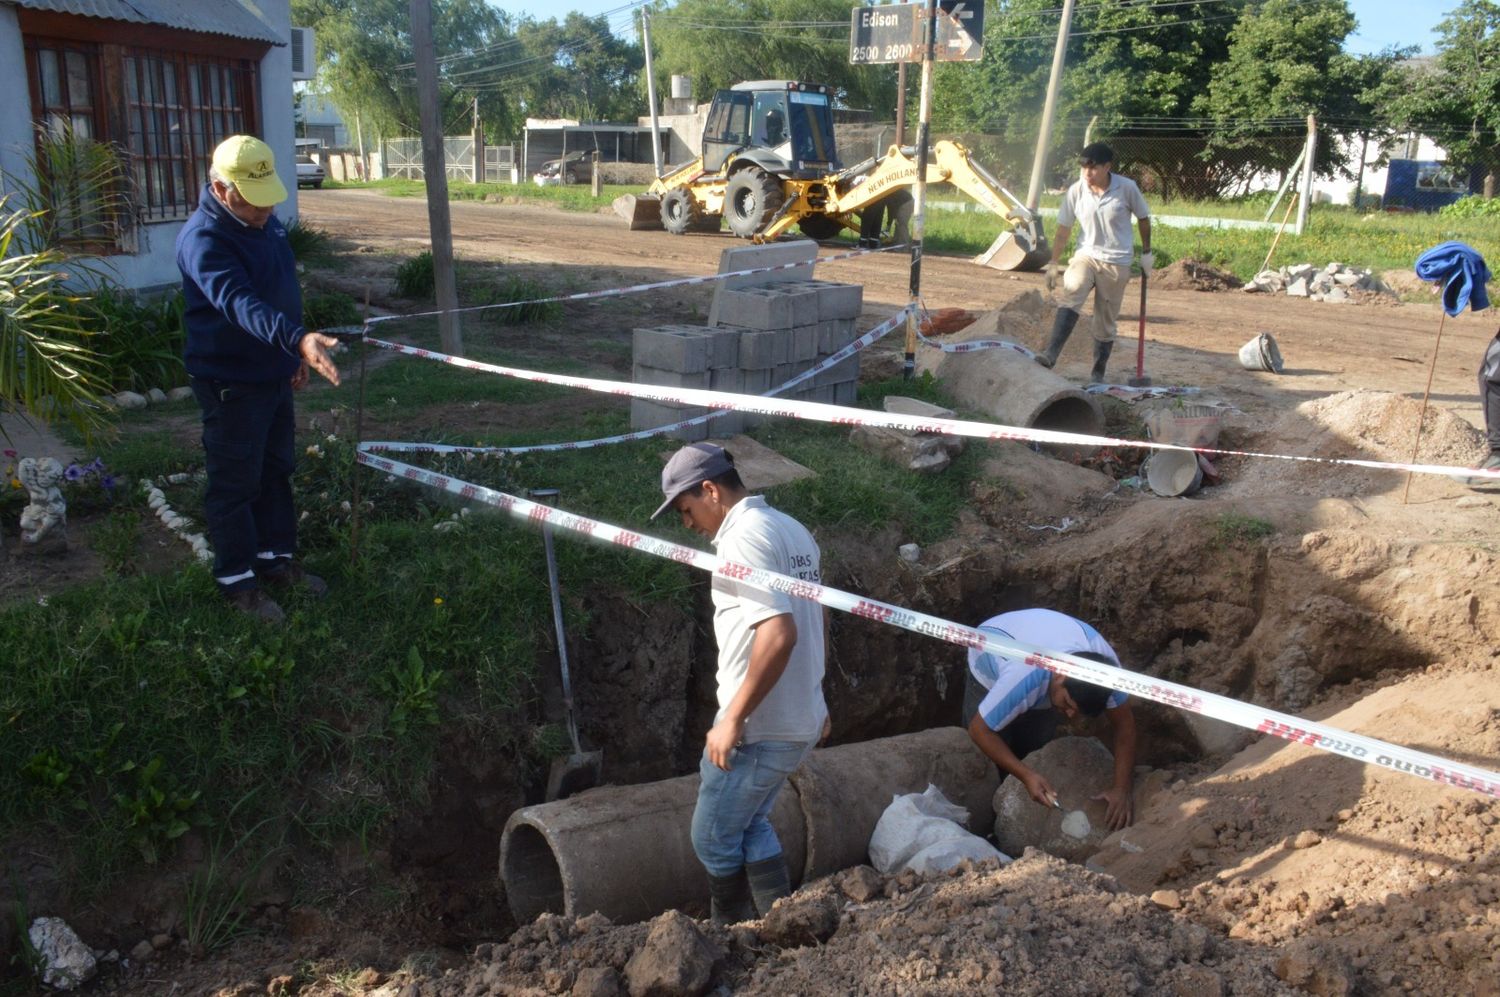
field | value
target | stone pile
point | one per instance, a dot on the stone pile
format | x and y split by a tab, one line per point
1334	283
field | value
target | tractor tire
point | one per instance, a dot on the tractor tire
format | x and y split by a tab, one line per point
751	199
820	228
679	211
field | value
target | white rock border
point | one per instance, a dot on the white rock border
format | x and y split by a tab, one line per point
156	499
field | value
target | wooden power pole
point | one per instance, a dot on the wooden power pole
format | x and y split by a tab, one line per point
435	174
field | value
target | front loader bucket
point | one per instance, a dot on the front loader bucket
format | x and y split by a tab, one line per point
1015	249
642	211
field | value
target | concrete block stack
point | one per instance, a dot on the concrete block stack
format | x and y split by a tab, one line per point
762	336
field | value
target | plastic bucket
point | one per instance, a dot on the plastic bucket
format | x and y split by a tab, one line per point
1261	354
1171	473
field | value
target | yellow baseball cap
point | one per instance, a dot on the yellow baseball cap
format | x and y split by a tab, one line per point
249	164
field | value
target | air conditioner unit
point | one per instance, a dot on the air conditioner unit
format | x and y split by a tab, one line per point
304	56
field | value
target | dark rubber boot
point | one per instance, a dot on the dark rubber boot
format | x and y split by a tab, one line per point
1062	328
769	882
729	899
1101	360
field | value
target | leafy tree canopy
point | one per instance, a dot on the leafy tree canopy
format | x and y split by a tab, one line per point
1456	100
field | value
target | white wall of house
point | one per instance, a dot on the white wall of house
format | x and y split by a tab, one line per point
1340	190
15	115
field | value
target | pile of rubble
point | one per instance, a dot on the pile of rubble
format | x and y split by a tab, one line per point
1335	282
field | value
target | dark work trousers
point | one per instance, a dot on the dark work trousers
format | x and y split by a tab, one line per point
1489	393
248	440
1023	735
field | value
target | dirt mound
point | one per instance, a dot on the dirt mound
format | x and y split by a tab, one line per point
1037	926
1361	425
1193	275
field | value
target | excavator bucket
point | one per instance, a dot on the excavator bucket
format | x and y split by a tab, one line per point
642	211
1015	249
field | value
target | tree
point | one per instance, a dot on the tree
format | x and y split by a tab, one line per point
576	69
1128	64
1456	101
1285	62
723	42
365	51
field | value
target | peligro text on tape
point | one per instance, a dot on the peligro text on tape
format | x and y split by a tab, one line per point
1266	721
615	292
839	415
832	360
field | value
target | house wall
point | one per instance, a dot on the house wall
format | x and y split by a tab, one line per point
15	115
154	264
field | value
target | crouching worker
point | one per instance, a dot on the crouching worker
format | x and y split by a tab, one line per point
770	679
1013	708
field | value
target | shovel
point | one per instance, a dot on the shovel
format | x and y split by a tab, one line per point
1140	380
580	770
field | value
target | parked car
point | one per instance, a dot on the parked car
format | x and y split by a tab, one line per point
569	169
309	173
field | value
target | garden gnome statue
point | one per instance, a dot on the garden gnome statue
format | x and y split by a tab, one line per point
46	516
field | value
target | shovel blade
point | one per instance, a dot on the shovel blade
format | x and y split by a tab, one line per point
573	774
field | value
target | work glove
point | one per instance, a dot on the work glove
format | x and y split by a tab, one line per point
1148	263
1052	276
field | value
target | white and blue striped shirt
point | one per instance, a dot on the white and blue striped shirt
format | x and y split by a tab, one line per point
1014	686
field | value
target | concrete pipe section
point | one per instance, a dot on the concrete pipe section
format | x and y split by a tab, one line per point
626	851
1014	389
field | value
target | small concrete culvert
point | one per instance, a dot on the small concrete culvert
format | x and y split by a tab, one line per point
626	852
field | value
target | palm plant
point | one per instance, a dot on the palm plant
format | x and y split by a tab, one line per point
76	195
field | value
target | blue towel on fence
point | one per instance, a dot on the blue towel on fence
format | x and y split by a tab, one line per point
1463	273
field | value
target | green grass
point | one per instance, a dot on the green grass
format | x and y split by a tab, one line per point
574	197
1237	528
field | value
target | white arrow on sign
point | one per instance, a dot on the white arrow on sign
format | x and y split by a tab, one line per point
962	40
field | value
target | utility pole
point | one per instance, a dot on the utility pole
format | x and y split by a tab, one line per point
364	157
919	192
478	145
1044	137
1307	173
900	104
435	175
651	90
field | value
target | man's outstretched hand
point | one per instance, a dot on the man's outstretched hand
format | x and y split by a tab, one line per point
314	348
1119	809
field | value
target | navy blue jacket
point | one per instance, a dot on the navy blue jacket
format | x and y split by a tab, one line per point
243	303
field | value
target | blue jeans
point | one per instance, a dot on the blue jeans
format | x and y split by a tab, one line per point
731	826
249	436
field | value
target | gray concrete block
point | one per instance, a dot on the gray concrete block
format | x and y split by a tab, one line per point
834	334
755	308
731	379
846	393
647	414
728	424
671	347
642	374
845	370
839	301
755	382
803	303
804	342
723	347
760	350
801	251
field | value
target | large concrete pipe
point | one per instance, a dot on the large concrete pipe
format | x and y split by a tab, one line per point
626	851
844	790
1014	389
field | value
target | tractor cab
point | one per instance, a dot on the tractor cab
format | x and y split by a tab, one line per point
784	127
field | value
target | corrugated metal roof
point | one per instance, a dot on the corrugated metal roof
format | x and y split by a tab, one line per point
213	17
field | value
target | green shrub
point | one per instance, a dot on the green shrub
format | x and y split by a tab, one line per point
308	243
1473	206
139	339
415	278
509	289
325	310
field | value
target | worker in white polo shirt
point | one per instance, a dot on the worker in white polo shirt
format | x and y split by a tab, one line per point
1101	203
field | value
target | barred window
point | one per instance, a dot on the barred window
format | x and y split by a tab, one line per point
179	107
65	80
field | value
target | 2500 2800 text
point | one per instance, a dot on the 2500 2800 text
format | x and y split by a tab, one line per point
875	53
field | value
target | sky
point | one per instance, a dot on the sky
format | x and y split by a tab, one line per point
1382	23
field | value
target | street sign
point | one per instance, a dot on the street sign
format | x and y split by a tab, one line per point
896	32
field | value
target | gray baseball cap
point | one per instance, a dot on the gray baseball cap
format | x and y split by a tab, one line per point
689	468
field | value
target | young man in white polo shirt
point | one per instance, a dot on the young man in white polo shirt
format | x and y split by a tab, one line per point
770	679
1101	203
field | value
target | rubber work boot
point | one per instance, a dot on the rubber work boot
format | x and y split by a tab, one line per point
1101	360
254	602
729	899
1062	328
1491	463
288	573
769	882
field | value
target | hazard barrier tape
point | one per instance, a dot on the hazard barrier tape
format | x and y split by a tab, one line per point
833	359
1344	743
351	331
842	416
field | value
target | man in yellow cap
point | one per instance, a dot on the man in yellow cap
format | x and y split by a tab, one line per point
246	352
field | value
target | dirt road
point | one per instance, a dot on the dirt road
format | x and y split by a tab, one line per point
1193	337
